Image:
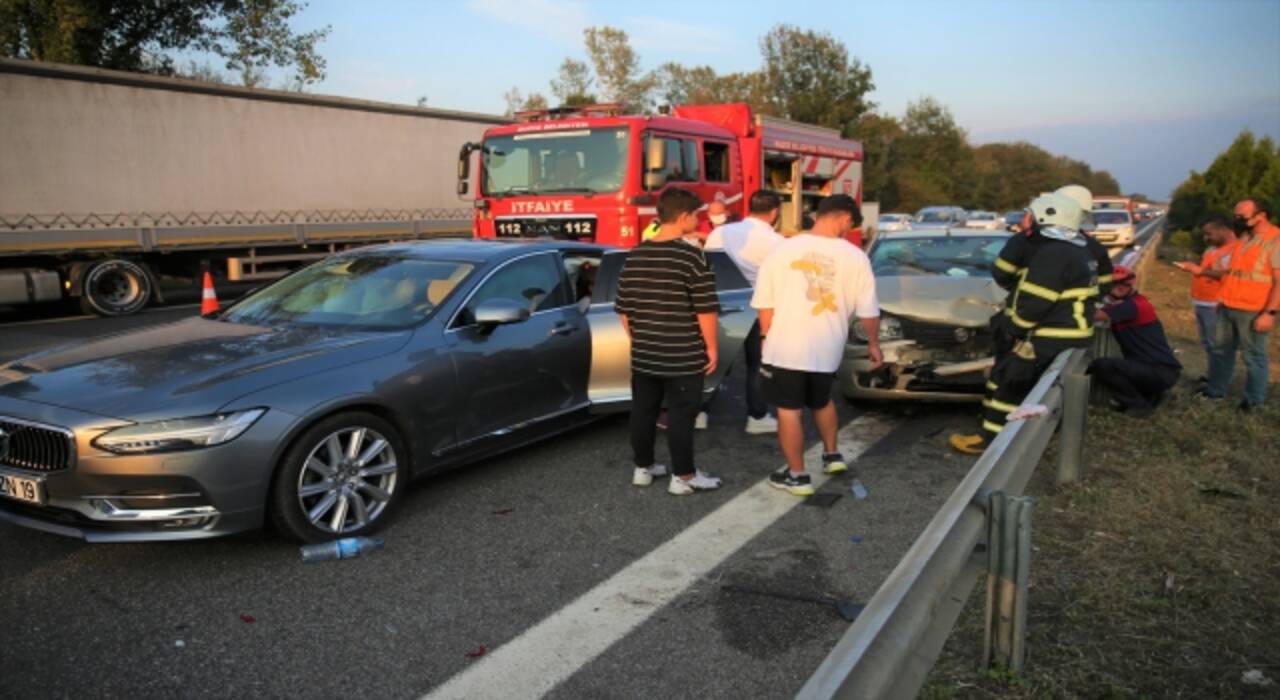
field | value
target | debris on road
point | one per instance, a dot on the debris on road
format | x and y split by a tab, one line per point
179	644
503	511
856	539
859	491
477	652
345	548
248	619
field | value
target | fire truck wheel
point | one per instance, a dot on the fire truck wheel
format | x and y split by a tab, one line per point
115	288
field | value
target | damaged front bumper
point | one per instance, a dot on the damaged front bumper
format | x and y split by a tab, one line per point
914	372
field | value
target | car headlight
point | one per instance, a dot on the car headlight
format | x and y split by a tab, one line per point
890	329
178	434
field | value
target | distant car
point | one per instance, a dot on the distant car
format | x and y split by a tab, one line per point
936	301
1113	227
311	403
1013	218
894	222
940	217
984	220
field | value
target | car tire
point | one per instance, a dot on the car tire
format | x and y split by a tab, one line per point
115	287
359	498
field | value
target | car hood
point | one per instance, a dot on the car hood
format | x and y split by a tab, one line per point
961	301
188	368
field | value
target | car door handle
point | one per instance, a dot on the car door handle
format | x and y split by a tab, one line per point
725	310
563	328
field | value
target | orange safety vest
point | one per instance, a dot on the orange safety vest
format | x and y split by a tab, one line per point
1248	282
1203	287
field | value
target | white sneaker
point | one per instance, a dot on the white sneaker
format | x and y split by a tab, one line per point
699	482
762	426
700	423
644	477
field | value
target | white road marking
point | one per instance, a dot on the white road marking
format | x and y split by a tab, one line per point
535	662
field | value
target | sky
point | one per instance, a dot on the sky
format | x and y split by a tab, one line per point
1147	89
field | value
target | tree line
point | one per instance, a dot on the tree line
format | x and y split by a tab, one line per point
1250	167
250	36
910	161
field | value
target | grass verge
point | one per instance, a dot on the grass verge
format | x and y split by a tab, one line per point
1158	573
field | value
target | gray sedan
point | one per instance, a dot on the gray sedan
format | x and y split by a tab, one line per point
313	402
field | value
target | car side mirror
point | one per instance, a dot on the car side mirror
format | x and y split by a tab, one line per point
655	154
500	312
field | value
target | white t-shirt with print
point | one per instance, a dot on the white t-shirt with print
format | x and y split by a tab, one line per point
815	285
747	243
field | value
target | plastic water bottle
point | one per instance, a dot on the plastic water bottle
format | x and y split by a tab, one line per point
346	548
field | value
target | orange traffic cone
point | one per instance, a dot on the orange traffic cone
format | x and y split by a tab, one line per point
208	298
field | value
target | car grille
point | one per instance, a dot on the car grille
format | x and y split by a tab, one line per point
35	447
938	334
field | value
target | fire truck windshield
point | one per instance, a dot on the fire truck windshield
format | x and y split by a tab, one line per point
584	160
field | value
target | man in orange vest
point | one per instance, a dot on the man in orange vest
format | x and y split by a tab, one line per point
1206	278
1250	296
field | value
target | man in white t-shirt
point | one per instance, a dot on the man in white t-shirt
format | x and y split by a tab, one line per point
748	243
807	291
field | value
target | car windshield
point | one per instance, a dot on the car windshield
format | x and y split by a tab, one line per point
586	160
1013	217
982	216
1110	217
368	292
933	216
890	218
954	256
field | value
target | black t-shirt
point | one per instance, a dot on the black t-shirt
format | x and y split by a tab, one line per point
662	289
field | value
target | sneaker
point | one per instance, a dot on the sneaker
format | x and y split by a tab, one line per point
762	426
699	482
643	477
700	423
1203	393
1245	406
795	484
833	463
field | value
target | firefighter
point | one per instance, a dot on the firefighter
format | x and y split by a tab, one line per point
1010	268
1137	380
1052	311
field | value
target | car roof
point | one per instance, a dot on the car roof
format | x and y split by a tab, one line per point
473	250
956	232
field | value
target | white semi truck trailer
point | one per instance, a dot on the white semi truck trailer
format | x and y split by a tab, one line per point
111	182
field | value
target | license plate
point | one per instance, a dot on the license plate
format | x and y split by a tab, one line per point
555	228
21	489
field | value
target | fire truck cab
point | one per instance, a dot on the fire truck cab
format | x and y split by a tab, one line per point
594	174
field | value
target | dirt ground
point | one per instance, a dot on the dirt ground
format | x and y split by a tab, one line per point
1157	575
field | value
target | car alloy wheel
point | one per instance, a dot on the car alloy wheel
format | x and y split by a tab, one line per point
347	480
341	477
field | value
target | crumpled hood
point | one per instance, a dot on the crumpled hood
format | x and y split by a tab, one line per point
187	368
962	301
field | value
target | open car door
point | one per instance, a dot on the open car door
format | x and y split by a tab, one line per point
609	384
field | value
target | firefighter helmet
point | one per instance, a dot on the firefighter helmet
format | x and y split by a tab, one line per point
1084	198
1055	210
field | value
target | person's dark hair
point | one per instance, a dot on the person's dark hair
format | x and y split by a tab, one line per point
676	201
1260	206
839	204
1214	221
763	202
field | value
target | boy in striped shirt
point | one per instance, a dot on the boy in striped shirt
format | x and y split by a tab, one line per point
668	305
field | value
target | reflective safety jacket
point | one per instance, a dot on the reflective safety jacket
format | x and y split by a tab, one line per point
1249	280
1056	296
1010	266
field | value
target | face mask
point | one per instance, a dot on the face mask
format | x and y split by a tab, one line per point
1241	224
719	219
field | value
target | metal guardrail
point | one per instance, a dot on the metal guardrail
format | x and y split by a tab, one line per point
983	527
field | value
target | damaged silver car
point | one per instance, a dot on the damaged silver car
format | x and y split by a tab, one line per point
936	300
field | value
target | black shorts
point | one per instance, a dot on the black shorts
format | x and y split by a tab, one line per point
795	389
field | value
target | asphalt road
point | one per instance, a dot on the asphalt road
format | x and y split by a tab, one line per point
490	558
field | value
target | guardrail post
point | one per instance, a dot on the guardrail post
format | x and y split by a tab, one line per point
1075	406
1009	568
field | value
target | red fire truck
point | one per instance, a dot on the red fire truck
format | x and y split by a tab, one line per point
594	174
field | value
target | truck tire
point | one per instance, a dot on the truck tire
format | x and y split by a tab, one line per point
115	288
